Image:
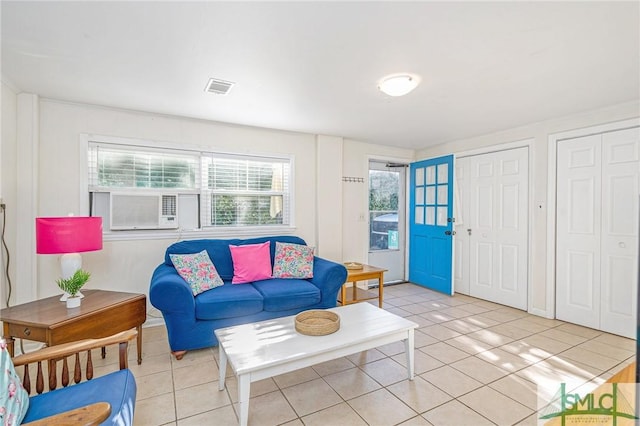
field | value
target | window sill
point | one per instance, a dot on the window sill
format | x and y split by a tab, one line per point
236	232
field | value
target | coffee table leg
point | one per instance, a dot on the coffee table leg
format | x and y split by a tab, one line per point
244	384
408	348
222	367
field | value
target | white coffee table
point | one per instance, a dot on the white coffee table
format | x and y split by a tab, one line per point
265	349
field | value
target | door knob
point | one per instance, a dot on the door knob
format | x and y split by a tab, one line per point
469	231
449	232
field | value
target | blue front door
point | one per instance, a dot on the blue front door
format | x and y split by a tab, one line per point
431	224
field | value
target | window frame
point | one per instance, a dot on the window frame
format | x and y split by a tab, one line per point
205	231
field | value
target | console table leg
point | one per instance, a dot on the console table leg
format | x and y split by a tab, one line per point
139	344
244	384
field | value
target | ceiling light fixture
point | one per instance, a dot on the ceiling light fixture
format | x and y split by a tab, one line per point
398	84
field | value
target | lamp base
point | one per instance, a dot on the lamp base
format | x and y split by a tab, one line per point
69	264
66	295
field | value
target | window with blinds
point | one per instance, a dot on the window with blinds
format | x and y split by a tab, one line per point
231	190
247	191
115	167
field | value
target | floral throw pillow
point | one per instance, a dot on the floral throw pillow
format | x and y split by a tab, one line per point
293	261
197	270
14	400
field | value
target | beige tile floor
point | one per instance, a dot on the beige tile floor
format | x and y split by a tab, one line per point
477	363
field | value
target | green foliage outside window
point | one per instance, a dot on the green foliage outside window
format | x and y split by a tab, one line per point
383	193
230	210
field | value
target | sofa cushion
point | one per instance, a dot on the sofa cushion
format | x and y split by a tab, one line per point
117	388
283	294
228	301
197	270
293	261
251	262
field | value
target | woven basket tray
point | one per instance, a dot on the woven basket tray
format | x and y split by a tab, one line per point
353	265
317	322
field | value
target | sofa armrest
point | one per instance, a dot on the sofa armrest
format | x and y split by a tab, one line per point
89	415
170	293
328	276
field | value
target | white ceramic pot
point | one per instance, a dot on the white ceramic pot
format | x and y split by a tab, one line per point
73	302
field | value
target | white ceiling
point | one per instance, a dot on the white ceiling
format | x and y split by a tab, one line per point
313	66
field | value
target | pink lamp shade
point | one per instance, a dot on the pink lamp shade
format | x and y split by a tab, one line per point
69	234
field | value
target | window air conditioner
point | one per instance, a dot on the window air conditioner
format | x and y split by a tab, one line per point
143	211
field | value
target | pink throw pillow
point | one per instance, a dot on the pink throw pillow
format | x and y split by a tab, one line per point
251	262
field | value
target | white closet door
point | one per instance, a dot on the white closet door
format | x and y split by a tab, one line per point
619	252
461	213
578	225
498	223
597	231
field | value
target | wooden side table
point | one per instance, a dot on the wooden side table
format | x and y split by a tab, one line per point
367	272
101	314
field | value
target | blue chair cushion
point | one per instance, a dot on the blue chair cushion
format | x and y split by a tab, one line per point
118	389
284	294
228	301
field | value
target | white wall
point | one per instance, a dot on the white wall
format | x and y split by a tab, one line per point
329	193
355	197
540	133
7	182
127	265
324	217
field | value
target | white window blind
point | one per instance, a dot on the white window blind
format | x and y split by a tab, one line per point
247	191
232	190
124	168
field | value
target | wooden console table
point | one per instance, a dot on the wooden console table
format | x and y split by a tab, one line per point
101	314
367	272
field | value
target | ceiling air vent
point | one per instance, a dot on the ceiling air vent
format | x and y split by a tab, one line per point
219	87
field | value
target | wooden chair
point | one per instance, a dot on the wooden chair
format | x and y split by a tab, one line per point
92	414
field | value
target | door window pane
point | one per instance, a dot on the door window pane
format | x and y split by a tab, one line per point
431	195
442	216
431	175
420	195
431	216
443	173
419	215
384	187
442	194
419	176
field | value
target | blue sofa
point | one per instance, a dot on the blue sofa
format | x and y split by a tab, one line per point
190	320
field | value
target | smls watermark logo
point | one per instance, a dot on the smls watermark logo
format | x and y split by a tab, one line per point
611	404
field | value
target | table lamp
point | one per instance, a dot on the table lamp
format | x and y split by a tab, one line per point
68	236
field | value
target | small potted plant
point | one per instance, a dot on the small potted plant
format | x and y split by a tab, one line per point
73	285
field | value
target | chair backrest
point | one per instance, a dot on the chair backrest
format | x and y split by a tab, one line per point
50	356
